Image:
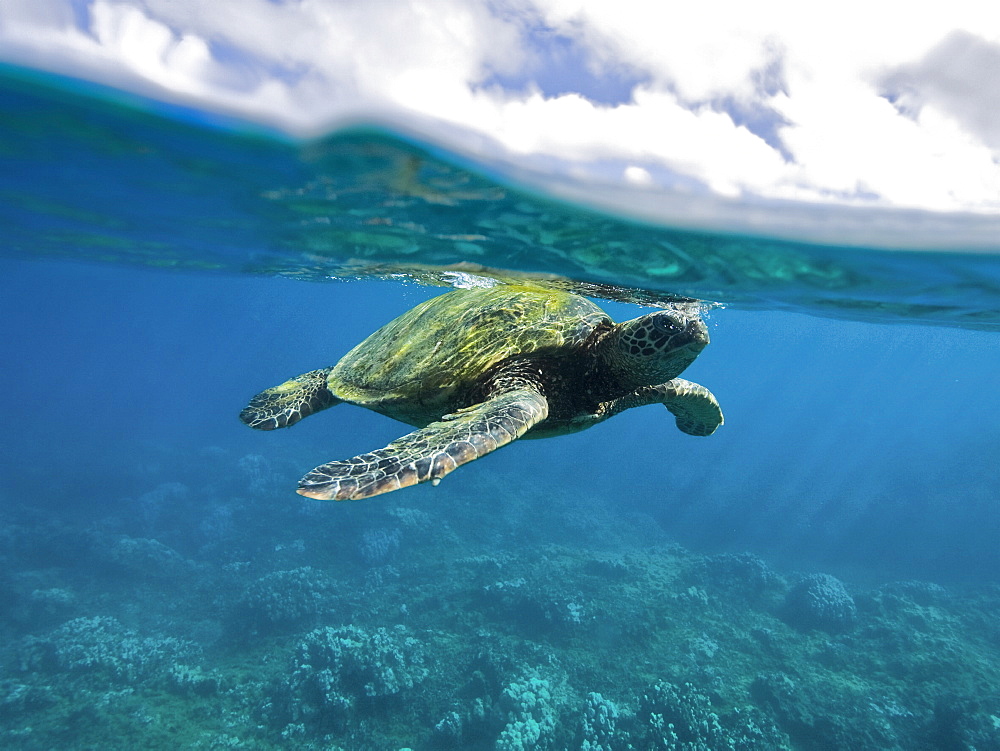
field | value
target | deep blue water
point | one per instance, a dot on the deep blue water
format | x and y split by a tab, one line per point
860	440
847	445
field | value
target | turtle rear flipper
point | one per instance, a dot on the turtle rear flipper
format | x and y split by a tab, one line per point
431	452
287	403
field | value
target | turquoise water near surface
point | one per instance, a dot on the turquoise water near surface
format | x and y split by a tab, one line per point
93	178
820	573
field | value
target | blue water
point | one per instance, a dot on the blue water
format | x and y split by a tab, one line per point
159	271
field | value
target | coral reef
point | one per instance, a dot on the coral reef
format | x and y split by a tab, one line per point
531	715
140	556
379	546
153	505
534	605
282	600
742	577
820	601
600	726
835	714
101	649
336	669
681	718
251	624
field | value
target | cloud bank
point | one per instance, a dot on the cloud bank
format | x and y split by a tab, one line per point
853	104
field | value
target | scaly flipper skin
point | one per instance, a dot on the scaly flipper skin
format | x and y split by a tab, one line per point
431	452
287	403
695	407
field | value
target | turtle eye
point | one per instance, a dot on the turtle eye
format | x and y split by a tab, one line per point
666	323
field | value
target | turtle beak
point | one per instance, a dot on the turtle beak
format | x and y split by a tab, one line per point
688	331
698	331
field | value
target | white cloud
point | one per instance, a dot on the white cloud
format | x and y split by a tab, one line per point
960	75
819	70
637	175
181	63
751	100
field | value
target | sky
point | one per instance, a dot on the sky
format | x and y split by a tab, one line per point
858	104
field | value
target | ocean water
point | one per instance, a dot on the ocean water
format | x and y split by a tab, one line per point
822	573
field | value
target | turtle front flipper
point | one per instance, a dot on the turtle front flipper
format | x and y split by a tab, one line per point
286	404
695	407
431	452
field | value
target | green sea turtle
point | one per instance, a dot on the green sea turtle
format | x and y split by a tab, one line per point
475	369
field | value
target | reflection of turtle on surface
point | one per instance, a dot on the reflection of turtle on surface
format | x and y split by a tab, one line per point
475	369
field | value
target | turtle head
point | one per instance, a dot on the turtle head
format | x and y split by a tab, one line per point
656	347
